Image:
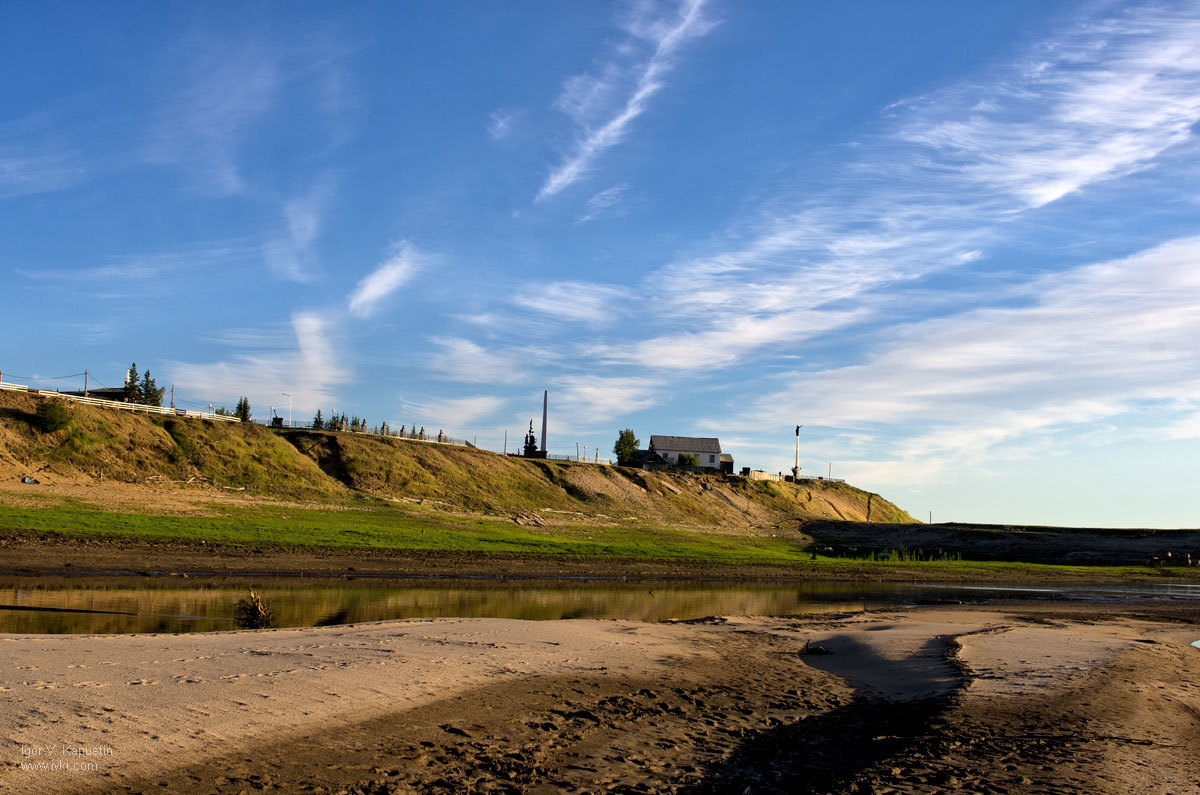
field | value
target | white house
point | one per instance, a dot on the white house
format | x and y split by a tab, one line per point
708	450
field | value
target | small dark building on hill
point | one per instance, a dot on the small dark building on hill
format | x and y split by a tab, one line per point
648	459
116	393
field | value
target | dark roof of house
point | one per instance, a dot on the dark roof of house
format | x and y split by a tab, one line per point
726	457
686	444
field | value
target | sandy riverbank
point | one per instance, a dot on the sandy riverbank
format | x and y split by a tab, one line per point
1003	699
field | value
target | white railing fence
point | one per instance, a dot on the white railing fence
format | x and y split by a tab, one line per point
135	408
208	415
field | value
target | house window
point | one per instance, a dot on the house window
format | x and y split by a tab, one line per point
712	458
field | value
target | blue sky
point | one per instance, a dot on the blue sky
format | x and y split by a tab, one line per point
958	242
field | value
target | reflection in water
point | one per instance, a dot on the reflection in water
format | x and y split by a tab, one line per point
203	604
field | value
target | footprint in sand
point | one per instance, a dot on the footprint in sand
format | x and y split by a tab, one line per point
142	682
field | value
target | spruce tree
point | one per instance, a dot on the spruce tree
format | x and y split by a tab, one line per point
150	395
243	409
133	389
318	421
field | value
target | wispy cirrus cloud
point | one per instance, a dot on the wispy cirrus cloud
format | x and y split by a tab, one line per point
605	106
603	203
393	273
1096	343
34	159
144	270
466	361
500	124
229	86
292	254
581	302
1097	103
724	346
24	172
596	399
452	415
1187	427
934	189
220	89
307	367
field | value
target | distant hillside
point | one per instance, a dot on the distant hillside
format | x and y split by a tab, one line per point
344	467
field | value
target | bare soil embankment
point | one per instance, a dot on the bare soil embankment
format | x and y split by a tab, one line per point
1053	545
232	460
117	462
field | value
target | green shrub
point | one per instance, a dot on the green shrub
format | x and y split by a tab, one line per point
52	416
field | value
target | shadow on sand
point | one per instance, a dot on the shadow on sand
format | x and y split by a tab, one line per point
895	706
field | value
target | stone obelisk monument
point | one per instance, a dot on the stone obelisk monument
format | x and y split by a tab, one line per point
545	407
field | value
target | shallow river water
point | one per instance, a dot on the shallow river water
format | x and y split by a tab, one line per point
203	604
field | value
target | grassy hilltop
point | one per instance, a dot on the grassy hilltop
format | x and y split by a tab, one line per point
104	445
115	477
152	485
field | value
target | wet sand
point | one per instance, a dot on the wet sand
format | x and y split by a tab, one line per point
1068	698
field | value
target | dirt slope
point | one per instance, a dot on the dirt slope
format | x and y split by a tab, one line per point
1061	545
105	445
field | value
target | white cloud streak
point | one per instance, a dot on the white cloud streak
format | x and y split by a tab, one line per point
293	255
933	191
229	88
603	203
583	94
221	87
33	160
452	415
392	274
601	398
144	271
580	302
1096	104
500	124
308	369
1097	343
719	347
465	361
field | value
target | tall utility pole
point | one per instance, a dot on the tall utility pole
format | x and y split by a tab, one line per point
289	397
796	468
506	441
85	383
